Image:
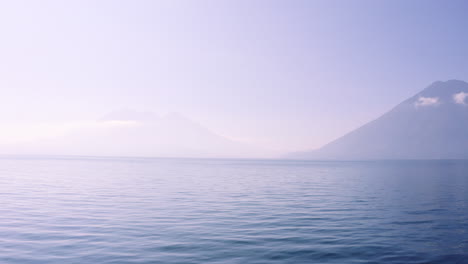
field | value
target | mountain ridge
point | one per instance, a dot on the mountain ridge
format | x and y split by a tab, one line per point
429	125
127	132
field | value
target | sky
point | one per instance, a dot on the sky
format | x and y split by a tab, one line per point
279	75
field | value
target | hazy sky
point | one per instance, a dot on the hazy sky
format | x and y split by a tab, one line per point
287	75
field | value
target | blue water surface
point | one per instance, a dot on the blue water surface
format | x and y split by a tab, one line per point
141	210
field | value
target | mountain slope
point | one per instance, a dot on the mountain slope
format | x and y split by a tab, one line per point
433	124
132	133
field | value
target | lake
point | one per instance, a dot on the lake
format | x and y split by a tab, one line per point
142	210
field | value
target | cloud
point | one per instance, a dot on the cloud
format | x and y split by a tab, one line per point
120	123
27	132
460	98
427	101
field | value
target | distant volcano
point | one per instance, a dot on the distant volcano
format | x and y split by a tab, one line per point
138	134
433	124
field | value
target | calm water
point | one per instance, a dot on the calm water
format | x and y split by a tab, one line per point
71	210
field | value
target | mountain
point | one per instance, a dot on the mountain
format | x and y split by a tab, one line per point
433	124
145	134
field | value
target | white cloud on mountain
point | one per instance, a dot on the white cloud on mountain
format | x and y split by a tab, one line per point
460	98
426	101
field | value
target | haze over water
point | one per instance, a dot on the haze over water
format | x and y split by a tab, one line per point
236	85
136	210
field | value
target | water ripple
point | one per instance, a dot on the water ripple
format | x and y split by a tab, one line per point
232	211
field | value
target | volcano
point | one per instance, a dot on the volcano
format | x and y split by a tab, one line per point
433	124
